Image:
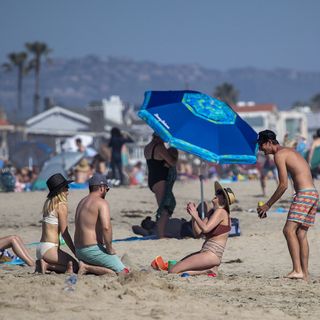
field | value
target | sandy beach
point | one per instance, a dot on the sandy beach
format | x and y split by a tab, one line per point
250	284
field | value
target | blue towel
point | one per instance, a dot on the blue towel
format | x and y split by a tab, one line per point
134	238
152	237
15	261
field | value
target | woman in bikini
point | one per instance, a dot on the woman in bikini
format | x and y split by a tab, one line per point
54	222
215	227
161	164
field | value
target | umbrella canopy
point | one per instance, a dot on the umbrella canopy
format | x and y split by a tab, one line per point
29	153
61	163
199	124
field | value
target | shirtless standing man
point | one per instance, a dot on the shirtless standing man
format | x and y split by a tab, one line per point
303	208
93	230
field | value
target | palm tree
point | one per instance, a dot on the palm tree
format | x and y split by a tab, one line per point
17	60
315	103
38	49
227	93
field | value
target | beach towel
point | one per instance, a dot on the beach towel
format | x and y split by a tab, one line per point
152	237
134	238
15	261
6	257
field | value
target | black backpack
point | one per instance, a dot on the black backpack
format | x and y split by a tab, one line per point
7	181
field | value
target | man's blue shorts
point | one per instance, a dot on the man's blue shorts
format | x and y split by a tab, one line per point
97	255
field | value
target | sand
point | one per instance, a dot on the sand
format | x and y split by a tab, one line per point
250	284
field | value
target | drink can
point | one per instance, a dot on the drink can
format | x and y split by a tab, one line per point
171	263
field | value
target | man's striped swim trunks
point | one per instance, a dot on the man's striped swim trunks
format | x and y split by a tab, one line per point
304	207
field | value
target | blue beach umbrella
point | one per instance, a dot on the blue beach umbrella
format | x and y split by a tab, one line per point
199	124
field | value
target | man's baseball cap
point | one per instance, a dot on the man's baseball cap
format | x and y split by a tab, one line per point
98	179
265	136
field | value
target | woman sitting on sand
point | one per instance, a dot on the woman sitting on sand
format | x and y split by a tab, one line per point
19	249
54	222
215	227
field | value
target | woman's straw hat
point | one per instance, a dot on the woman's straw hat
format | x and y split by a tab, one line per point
83	166
55	183
228	194
208	205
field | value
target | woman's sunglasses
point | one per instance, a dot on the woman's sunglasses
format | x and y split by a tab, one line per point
219	193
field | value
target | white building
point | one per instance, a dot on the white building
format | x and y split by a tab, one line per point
267	116
113	109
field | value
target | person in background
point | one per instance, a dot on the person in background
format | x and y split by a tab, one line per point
137	175
314	161
301	145
116	142
82	171
80	146
267	166
98	164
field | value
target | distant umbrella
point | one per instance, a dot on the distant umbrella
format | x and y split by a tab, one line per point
30	153
61	163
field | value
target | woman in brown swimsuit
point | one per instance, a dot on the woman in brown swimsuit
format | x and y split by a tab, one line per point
215	227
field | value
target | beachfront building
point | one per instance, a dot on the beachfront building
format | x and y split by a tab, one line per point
313	119
267	116
5	128
54	125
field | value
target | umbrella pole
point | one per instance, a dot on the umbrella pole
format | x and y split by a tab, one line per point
202	171
201	192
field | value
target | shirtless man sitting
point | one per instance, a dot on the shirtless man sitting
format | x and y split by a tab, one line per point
93	230
303	208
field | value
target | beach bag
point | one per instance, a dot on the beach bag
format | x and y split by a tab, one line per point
5	256
7	181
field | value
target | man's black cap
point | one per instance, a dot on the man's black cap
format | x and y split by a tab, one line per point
265	136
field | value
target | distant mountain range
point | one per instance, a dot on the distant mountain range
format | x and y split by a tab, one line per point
77	82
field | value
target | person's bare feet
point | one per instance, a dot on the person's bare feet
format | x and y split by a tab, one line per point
82	268
69	267
213	270
44	266
38	267
295	275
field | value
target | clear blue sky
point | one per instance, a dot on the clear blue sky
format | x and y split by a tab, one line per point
216	34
